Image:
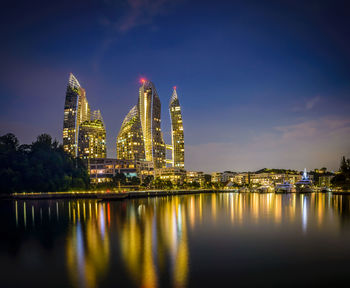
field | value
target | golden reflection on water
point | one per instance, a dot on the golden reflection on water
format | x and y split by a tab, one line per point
150	236
88	246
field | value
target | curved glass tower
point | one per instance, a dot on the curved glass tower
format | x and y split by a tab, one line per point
177	133
76	111
92	139
149	108
130	143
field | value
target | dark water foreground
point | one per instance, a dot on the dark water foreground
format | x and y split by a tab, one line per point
203	240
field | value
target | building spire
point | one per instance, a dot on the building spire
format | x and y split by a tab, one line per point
174	95
73	82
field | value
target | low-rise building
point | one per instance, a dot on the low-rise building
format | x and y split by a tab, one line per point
240	178
104	169
174	174
271	178
227	175
325	180
195	177
216	177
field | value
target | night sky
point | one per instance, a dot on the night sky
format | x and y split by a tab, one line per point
261	83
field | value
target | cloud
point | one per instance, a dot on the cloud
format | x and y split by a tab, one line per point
308	104
138	13
313	143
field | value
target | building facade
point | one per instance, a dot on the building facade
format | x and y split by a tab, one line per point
103	169
174	174
177	133
195	177
149	108
216	177
76	111
130	144
92	140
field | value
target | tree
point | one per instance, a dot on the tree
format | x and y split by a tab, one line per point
342	179
119	179
40	167
147	181
135	181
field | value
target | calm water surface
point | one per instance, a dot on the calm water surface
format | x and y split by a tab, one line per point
228	239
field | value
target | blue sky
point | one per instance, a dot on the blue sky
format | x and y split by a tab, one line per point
260	84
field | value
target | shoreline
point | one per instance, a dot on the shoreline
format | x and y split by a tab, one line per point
107	195
129	194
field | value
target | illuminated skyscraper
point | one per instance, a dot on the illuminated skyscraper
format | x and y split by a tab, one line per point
149	108
177	132
76	111
92	139
130	144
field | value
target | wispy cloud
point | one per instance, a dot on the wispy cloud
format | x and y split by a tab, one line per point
138	13
311	144
309	104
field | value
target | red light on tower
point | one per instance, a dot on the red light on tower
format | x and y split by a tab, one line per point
142	80
174	87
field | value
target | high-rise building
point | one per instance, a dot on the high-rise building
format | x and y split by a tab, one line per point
130	143
76	111
140	137
92	139
149	109
177	133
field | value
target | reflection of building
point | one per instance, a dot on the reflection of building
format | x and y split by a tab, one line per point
76	111
154	237
130	143
92	140
88	247
103	169
177	132
149	108
173	174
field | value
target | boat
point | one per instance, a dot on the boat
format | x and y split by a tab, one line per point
305	184
285	187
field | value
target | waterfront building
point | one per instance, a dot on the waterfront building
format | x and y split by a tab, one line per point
140	137
92	139
272	179
76	111
227	175
130	143
195	177
240	179
216	177
149	108
325	180
174	174
177	133
104	169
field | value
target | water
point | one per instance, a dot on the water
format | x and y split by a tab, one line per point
204	240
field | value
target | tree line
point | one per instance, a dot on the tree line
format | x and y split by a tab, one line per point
42	166
342	179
